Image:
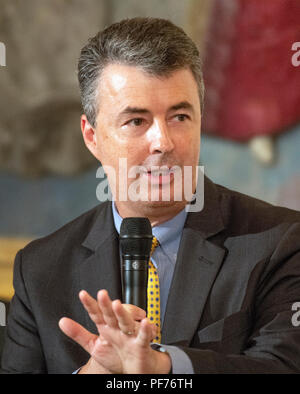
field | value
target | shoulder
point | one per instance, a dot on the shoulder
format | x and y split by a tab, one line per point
63	247
74	231
262	234
254	215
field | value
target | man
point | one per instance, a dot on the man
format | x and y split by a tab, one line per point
229	275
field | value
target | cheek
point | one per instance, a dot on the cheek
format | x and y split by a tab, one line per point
136	151
110	149
114	155
189	149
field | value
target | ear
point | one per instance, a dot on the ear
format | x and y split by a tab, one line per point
89	135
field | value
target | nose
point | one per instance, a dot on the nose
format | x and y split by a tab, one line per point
161	141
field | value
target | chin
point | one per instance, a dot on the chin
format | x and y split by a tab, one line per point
161	204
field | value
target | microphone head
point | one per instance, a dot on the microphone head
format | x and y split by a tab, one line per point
136	238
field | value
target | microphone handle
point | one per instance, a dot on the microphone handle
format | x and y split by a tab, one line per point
135	282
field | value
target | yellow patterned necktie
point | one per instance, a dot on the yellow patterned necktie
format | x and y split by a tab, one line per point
153	294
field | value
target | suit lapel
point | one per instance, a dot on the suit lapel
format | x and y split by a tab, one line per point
197	265
101	270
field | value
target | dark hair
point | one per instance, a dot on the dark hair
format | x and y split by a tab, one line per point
155	45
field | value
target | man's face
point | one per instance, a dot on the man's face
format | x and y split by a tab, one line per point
150	121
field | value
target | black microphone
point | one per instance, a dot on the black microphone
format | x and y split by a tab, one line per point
135	241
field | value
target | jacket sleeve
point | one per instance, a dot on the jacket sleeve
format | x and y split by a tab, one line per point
273	344
22	351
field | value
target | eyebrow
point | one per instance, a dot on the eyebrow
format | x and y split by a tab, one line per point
182	105
136	110
133	110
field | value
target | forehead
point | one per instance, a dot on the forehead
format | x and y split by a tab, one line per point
122	85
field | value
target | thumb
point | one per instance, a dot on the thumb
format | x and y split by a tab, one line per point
136	313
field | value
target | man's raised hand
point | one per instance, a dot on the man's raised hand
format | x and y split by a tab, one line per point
123	344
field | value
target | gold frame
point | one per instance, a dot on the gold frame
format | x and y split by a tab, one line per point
8	250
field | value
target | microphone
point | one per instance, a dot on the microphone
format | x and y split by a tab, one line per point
135	241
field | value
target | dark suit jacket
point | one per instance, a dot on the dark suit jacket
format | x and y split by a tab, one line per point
236	278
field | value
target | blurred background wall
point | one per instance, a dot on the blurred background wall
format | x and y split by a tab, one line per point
47	177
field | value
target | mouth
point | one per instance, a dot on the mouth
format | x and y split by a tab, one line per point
159	176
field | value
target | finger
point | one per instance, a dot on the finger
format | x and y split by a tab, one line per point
92	307
137	313
105	305
125	320
145	334
78	333
154	331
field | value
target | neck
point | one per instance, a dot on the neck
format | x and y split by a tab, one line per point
156	213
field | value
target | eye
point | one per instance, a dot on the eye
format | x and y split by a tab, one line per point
135	122
181	117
